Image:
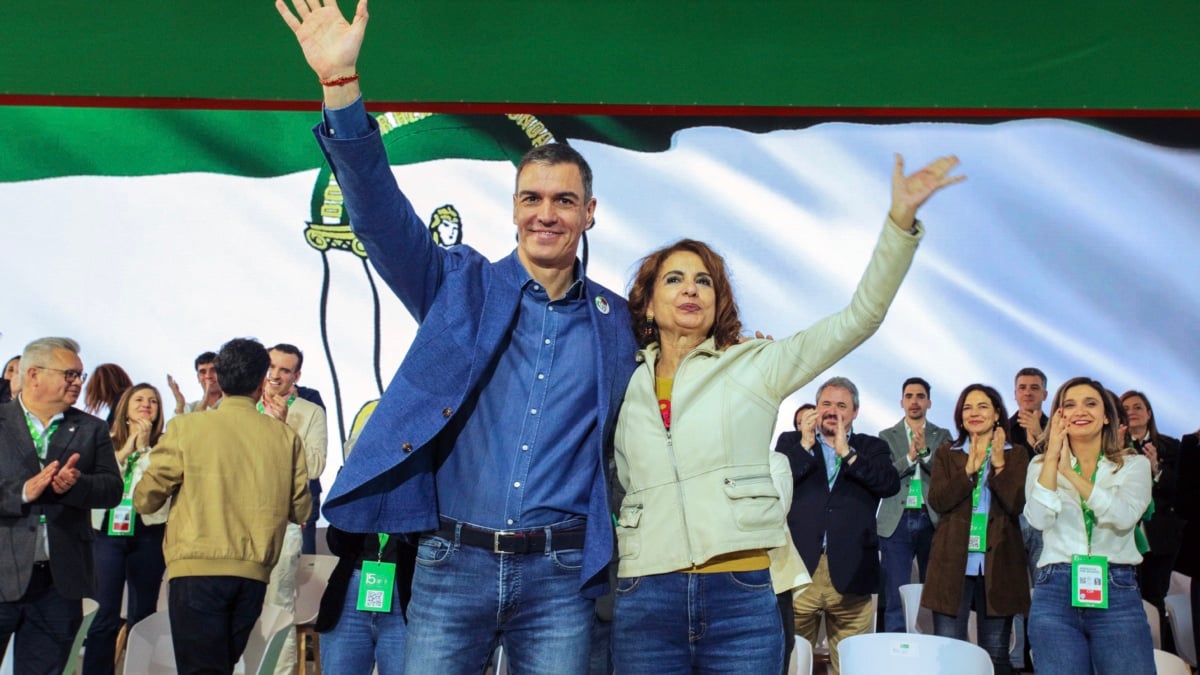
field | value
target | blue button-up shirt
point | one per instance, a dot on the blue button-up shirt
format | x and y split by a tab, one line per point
513	456
832	469
517	459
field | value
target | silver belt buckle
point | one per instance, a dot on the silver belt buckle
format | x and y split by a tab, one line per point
496	541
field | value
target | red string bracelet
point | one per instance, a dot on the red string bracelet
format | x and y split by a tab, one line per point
339	81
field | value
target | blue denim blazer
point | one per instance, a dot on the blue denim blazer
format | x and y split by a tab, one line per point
464	304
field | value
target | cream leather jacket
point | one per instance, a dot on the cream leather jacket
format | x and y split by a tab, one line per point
704	488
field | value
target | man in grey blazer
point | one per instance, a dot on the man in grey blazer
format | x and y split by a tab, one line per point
56	464
905	522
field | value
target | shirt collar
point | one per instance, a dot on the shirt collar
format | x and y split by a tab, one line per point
574	292
35	418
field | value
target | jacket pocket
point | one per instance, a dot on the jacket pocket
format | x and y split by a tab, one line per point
629	542
754	503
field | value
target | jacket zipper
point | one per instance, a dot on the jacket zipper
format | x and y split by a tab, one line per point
687	532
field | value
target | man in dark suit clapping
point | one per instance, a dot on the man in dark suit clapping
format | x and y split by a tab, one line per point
839	478
56	464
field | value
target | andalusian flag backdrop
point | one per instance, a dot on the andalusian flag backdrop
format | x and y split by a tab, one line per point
153	234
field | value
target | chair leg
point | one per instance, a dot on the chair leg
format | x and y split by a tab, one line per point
316	638
122	638
301	644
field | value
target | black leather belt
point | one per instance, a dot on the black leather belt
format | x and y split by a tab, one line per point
503	541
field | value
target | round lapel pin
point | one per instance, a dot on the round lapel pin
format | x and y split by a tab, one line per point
602	304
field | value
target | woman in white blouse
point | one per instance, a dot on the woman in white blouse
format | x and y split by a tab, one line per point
1086	494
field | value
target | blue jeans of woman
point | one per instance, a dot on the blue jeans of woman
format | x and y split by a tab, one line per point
363	640
136	560
1068	640
675	623
992	632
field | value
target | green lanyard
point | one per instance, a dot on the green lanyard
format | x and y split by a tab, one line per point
41	441
291	400
977	493
1089	516
977	534
121	518
376	582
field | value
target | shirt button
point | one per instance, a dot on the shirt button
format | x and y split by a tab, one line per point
541	376
407	447
546	341
551	309
536	287
446	412
533	411
517	484
525	447
511	521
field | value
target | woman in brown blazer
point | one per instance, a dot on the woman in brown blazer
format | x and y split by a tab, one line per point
978	479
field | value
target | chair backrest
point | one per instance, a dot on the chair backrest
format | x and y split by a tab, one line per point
1180	583
917	619
802	658
312	576
1179	615
149	650
499	661
322	542
266	639
911	654
1153	618
1166	663
90	607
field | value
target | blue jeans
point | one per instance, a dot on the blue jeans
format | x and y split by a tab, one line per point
992	631
724	622
363	640
466	600
1073	641
136	560
912	538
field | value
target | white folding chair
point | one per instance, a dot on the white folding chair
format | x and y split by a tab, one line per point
1166	663
6	666
312	577
1179	615
1180	584
149	650
322	542
1155	622
90	607
802	658
266	640
917	619
911	654
499	662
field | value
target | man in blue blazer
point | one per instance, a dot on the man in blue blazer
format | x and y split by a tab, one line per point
839	478
56	464
490	440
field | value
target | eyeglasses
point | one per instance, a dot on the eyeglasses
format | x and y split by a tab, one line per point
68	375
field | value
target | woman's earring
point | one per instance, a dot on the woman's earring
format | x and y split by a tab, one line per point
648	327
